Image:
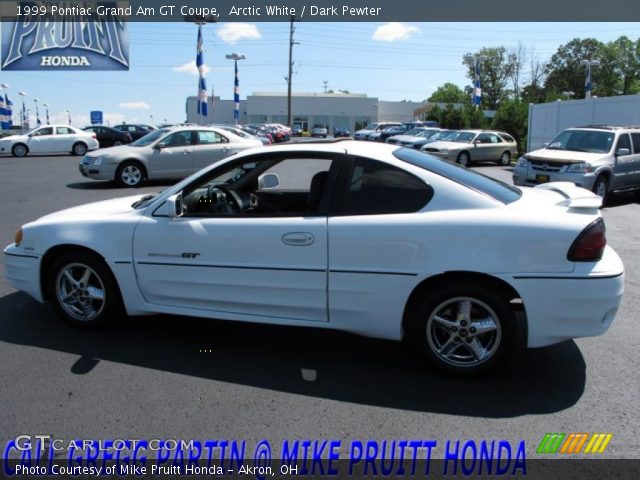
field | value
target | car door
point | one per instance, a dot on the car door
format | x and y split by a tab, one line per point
172	156
210	146
372	261
482	147
633	163
41	140
64	139
264	263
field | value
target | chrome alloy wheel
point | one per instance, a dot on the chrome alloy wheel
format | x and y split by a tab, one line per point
131	175
80	292
463	332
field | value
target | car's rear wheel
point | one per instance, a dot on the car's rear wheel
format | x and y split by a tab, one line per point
19	150
83	290
117	143
463	328
601	187
463	159
130	174
505	158
79	148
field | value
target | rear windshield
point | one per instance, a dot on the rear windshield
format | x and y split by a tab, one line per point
469	178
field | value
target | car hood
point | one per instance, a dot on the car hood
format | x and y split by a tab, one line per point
405	138
116	150
364	131
96	209
564	156
13	138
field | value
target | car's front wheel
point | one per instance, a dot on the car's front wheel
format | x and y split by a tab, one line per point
130	174
601	187
463	328
117	143
19	150
79	148
83	290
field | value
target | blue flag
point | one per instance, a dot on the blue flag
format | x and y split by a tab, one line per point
236	95
202	84
477	89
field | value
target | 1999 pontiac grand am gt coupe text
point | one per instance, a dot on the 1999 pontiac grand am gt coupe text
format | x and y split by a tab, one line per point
369	238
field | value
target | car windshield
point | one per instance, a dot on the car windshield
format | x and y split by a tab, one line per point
462	137
415	131
469	178
444	135
149	138
427	133
591	141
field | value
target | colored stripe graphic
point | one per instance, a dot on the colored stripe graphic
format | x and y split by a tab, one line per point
572	443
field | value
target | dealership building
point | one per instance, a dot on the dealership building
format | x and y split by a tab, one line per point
349	110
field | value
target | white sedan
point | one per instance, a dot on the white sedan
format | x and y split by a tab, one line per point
167	153
50	139
369	238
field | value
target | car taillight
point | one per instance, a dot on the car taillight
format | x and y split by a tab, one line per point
589	246
94	136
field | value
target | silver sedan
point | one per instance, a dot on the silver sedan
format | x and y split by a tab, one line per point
168	153
475	145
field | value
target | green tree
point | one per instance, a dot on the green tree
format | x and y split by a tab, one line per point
564	72
495	72
449	93
512	117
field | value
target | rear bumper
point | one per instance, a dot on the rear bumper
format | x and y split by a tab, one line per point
578	305
23	271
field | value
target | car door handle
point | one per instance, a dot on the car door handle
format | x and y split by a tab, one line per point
186	151
298	239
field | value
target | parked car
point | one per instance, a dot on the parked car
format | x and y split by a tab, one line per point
164	153
136	131
412	138
469	146
262	135
440	135
339	132
382	135
50	139
244	134
420	248
319	131
297	130
364	133
109	137
599	158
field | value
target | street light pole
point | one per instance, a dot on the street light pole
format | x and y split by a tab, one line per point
68	116
38	122
568	94
588	85
477	88
46	107
236	84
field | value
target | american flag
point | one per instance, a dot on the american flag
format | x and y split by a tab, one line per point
202	84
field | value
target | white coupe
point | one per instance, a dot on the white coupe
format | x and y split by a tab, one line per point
369	238
50	139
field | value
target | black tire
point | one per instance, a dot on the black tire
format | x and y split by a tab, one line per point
130	174
20	150
93	300
464	159
117	143
79	149
601	187
439	330
505	158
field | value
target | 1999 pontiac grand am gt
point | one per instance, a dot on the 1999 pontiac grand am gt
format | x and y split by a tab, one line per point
372	239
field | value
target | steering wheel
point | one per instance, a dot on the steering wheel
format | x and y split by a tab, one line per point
232	201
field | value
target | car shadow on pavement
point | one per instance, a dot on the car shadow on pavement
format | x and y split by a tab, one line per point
109	185
622	198
312	362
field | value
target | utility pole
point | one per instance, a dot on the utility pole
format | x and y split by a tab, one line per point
291	44
325	83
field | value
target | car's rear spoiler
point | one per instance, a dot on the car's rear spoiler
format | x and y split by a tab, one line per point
575	197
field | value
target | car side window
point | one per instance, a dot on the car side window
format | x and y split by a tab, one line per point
483	138
493	138
178	139
636	142
623	142
377	188
210	138
43	131
63	131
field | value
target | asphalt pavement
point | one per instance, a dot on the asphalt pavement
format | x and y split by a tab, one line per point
150	377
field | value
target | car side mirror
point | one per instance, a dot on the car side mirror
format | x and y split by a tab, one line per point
621	152
475	143
160	146
174	205
268	180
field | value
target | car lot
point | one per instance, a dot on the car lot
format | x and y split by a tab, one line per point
150	376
